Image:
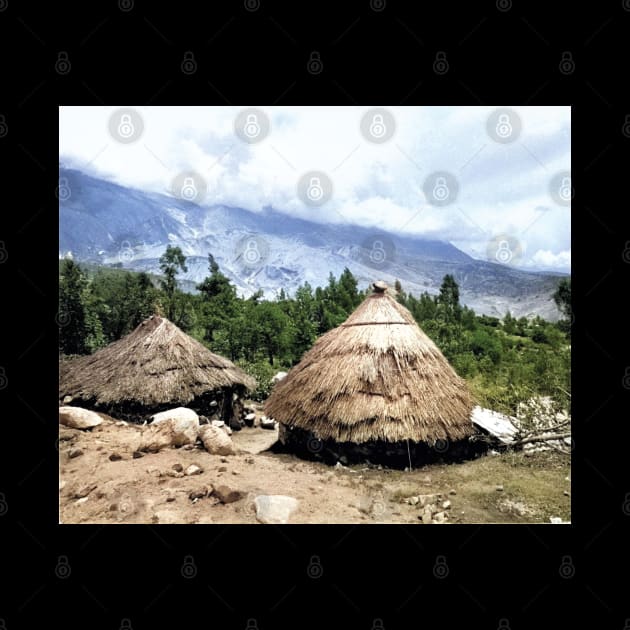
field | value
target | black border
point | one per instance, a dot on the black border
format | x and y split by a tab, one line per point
369	56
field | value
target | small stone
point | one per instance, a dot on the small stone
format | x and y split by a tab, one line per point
193	470
439	517
446	505
224	460
113	507
78	418
67	400
84	490
249	419
452	492
413	500
199	493
225	494
114	457
567	493
249	460
177	474
426	517
499	488
74	452
218	423
235	472
177	467
81	500
137	455
222	469
121	423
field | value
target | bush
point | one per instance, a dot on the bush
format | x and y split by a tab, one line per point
263	373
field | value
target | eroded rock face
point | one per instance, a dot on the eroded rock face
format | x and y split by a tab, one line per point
78	418
216	441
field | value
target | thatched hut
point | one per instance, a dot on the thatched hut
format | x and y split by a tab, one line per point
376	384
155	367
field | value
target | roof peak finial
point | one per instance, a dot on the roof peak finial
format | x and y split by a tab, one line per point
379	286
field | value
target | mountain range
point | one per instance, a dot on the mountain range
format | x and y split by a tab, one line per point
104	223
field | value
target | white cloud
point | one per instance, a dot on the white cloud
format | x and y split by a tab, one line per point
503	187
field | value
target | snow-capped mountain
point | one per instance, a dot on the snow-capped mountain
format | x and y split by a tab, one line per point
103	222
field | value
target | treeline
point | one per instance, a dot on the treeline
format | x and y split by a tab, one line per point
505	360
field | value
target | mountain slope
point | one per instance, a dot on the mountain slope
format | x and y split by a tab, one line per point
105	223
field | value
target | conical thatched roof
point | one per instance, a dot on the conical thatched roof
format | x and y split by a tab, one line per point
156	364
375	377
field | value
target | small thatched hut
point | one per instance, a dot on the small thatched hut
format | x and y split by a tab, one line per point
155	367
376	381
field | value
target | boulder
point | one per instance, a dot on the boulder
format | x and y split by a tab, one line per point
249	419
216	441
226	494
78	418
274	509
179	413
278	377
267	423
169	432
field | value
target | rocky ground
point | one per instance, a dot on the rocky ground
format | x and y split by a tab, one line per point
101	481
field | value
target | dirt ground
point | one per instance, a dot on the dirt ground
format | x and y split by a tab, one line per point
506	488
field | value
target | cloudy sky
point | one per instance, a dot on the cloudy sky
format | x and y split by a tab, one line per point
504	182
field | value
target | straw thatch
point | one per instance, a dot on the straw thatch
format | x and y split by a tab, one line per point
154	367
377	377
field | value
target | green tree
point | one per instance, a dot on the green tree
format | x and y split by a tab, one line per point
72	324
448	299
172	262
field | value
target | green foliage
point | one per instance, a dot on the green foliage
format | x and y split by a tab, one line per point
263	373
505	361
172	262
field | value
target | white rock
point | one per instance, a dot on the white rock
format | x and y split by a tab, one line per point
179	413
274	509
279	376
226	429
78	418
216	441
413	500
446	505
250	416
81	500
556	520
169	432
439	517
193	470
218	423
